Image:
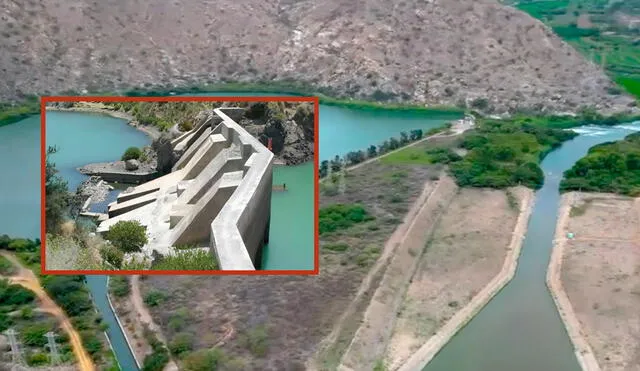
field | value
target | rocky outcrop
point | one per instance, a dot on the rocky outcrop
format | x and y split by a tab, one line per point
166	158
290	127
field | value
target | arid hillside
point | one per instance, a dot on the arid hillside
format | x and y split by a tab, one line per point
473	52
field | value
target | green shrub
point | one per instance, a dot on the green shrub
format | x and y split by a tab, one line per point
38	359
157	360
204	360
341	216
338	247
112	255
128	235
187	260
132	153
91	343
33	335
6	267
181	343
119	286
154	298
256	341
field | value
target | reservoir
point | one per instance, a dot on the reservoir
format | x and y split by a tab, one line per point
520	328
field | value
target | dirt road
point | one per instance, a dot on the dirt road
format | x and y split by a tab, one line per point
27	279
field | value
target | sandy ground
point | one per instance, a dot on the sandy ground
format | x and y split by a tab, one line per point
370	339
467	260
600	272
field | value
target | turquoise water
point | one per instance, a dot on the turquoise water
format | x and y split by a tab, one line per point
291	238
84	138
343	130
520	329
20	179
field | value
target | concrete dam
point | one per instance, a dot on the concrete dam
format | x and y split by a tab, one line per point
216	197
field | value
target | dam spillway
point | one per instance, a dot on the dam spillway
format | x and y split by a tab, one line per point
216	196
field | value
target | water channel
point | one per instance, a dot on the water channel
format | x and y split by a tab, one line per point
520	329
101	138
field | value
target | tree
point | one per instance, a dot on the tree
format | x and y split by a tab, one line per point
128	235
355	157
404	138
324	168
416	134
336	164
56	193
394	144
372	151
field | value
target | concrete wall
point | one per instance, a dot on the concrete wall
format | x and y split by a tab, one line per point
219	192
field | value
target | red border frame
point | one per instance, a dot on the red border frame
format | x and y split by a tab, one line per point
43	148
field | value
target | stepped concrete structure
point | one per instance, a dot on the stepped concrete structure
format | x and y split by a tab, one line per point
217	195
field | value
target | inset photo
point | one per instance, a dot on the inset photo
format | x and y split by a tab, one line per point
179	185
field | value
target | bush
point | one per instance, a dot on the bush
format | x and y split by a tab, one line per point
34	334
256	341
119	286
38	359
156	360
154	298
187	260
341	216
204	360
132	153
128	235
181	343
112	255
91	343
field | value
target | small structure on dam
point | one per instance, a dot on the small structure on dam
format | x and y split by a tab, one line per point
217	195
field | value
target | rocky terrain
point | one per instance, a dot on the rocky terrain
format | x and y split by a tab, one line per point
464	52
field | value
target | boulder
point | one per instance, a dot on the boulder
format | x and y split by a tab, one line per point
131	165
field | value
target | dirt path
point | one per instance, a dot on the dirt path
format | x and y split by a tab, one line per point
27	279
370	340
584	353
427	351
389	247
145	317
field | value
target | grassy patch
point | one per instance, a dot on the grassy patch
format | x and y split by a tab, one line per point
340	216
196	259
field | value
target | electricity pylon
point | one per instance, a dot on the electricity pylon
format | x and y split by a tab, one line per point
53	348
16	354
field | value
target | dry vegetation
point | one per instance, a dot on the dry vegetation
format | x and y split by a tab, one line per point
289	316
465	252
601	275
440	52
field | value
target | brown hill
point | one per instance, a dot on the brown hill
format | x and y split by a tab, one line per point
428	51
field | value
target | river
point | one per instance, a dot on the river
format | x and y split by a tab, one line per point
520	328
102	138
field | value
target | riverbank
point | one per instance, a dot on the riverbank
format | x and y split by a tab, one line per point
438	290
593	278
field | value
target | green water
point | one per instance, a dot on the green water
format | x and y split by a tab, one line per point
520	329
291	238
